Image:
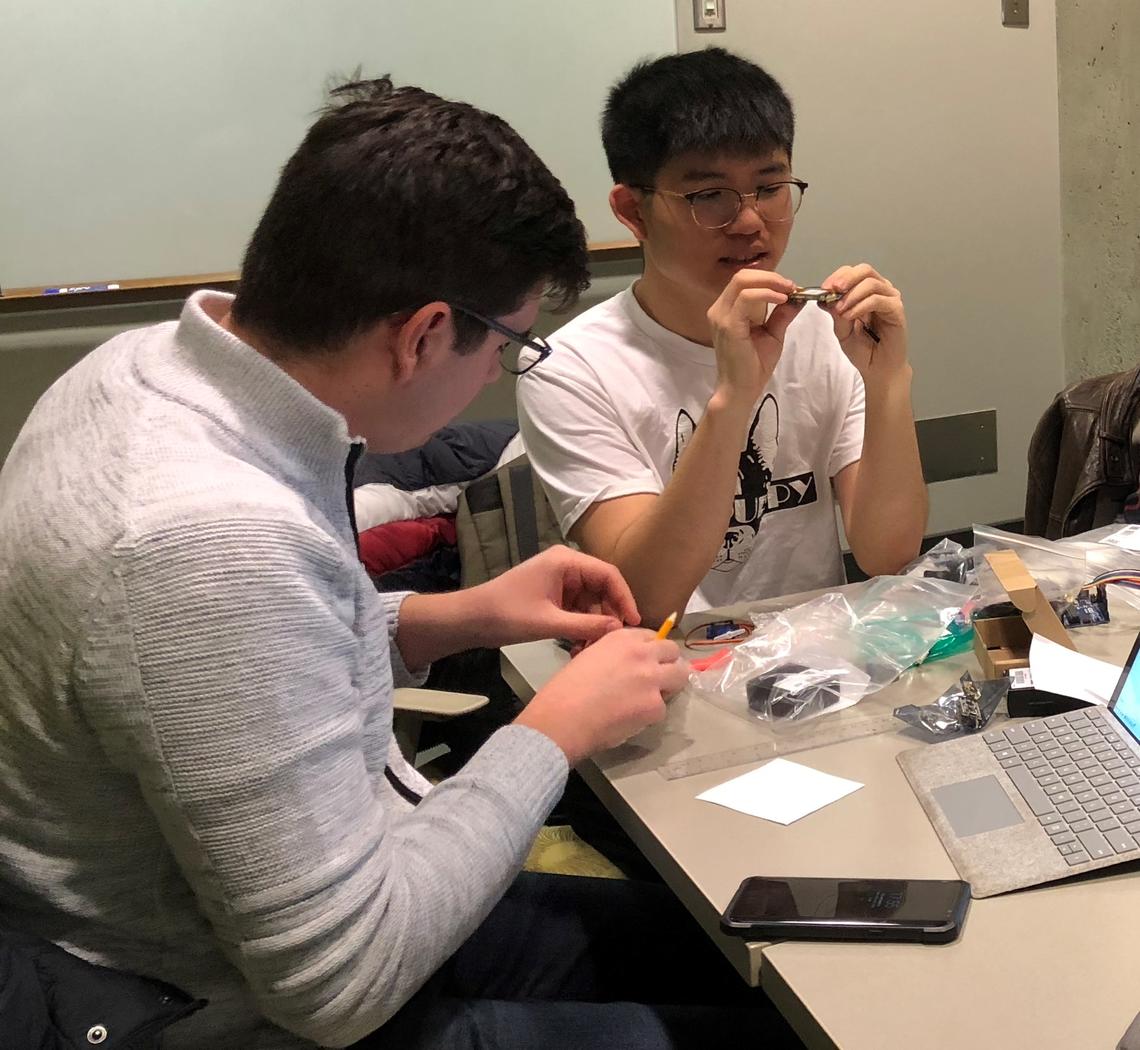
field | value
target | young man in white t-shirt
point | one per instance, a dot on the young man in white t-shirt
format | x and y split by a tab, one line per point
697	429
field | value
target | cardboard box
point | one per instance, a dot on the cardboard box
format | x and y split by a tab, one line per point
1002	642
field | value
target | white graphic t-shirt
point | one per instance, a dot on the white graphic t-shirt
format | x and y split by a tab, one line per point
609	413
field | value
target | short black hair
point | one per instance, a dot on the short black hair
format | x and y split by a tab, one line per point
397	198
701	102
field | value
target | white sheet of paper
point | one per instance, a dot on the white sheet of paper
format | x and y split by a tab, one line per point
1127	538
780	790
1070	673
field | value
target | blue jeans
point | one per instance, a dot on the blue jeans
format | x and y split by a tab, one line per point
566	963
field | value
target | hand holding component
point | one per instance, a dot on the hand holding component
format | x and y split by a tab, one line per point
870	322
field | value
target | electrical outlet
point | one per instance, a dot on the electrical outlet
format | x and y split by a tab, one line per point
1015	13
708	15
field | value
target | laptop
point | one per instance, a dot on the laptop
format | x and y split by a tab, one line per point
1030	802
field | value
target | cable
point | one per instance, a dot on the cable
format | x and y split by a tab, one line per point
1121	577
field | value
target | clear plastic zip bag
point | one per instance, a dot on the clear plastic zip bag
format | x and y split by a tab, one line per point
830	652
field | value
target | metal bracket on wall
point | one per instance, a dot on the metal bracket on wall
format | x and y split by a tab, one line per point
961	446
708	15
1015	14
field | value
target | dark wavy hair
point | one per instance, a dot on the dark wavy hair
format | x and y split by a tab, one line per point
397	198
699	102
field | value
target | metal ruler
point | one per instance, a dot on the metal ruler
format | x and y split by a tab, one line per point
778	742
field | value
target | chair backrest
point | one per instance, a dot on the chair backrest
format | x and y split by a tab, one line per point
503	519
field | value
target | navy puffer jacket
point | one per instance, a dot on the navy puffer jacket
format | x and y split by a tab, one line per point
52	1000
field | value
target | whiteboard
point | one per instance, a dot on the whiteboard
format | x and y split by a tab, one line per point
142	138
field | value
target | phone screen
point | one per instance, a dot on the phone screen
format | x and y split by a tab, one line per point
903	902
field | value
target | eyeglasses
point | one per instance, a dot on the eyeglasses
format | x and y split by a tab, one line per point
511	355
717	207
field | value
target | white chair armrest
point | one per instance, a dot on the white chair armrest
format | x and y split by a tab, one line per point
437	703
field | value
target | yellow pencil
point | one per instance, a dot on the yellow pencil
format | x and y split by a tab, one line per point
667	626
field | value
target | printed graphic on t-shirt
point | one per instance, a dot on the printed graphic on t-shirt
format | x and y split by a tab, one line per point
756	491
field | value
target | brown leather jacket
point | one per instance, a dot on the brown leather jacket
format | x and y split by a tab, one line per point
1084	456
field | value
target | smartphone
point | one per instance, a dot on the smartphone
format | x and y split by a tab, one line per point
927	911
814	295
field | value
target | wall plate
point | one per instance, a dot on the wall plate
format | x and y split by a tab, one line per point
961	446
1015	14
708	15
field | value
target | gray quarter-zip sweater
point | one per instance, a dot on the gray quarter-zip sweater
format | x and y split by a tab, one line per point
198	779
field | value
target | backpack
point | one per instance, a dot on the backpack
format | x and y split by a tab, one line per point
503	519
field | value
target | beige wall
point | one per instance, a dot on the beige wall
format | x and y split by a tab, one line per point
1098	67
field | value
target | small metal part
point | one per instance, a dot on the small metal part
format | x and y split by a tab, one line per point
970	687
814	295
969	706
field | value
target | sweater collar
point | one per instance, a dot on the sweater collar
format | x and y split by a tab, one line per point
211	370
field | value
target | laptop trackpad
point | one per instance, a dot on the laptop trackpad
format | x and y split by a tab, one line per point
974	806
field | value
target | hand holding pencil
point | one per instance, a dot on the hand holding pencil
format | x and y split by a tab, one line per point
616	687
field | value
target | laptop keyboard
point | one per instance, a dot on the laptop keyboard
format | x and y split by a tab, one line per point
1080	778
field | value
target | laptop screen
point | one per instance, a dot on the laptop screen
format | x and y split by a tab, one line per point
1126	699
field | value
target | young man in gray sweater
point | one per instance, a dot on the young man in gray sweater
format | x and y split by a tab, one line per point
198	779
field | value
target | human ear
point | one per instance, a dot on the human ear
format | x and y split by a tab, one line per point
420	338
627	204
